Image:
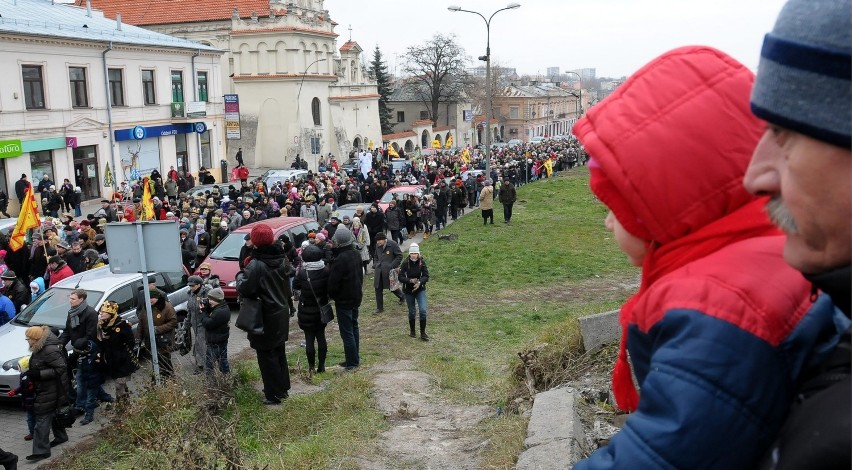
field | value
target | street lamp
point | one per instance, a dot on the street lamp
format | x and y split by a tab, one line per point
579	98
299	104
487	59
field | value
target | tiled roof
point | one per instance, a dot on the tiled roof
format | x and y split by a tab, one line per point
441	128
45	19
399	135
350	44
422	122
178	11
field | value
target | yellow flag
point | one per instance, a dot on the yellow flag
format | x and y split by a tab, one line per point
436	144
147	203
449	143
392	151
27	219
465	155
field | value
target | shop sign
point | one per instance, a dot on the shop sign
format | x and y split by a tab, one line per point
196	109
11	148
232	117
71	142
141	132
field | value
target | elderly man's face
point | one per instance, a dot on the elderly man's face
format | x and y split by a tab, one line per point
810	183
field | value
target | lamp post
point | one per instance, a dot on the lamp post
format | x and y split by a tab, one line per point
487	59
299	104
579	98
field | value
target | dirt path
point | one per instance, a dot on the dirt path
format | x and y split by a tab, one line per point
426	432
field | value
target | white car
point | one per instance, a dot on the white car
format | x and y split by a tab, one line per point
274	176
51	309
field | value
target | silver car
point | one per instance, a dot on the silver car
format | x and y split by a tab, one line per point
51	308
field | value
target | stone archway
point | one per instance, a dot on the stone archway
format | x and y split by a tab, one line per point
409	146
425	143
356	144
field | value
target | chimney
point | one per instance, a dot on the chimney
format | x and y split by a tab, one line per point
89	8
117	21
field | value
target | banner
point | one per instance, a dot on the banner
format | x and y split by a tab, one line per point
27	219
147	203
232	117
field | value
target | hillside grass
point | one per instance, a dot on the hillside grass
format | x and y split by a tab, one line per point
493	292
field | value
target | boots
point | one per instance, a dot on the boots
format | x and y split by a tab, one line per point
321	362
411	328
311	356
423	335
426	235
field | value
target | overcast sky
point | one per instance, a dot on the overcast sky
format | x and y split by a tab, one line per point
614	36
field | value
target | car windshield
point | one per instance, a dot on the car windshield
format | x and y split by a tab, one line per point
390	196
230	247
51	308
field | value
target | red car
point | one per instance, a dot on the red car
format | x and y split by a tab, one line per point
399	193
224	258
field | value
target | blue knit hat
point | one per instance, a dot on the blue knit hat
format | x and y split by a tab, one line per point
805	71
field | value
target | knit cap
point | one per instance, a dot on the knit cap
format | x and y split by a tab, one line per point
805	69
261	235
342	237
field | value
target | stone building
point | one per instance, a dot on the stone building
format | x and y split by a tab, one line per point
298	93
90	99
537	109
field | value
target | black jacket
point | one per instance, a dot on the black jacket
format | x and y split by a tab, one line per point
88	327
19	294
51	380
394	218
507	193
346	277
309	312
216	325
413	270
76	261
116	346
267	278
21	188
387	257
374	221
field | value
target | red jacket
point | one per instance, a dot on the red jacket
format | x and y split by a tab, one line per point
243	172
60	274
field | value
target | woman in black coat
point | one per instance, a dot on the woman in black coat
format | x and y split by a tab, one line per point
117	340
312	282
49	374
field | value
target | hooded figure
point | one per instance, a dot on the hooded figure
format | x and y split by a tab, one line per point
721	327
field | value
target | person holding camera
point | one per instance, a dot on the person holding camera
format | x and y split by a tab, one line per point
196	304
165	323
215	318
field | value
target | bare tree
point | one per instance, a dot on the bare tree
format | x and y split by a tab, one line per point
501	78
436	72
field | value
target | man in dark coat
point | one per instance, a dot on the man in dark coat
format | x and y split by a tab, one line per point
81	325
395	220
48	371
21	188
388	257
507	198
116	339
15	290
345	281
266	279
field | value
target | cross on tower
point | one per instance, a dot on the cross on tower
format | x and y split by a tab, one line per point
350	32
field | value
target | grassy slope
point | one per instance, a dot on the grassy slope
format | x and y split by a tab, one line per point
493	291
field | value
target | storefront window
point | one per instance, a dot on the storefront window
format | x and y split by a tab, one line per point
205	149
181	153
41	163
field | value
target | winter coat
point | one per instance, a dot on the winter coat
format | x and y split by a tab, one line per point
76	261
267	278
346	277
26	389
116	348
486	198
89	367
87	328
309	311
374	221
508	195
217	324
387	257
62	271
362	243
165	323
721	328
409	270
51	385
394	218
323	213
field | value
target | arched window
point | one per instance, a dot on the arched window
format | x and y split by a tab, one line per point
315	111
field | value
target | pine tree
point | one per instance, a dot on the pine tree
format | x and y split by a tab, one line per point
380	72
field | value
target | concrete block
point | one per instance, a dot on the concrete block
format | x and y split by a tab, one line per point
600	329
555	437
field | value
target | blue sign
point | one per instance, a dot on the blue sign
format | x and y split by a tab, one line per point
140	132
468	115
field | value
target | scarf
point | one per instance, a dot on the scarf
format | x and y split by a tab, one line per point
749	221
313	265
74	314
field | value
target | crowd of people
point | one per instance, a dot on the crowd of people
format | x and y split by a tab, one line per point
736	360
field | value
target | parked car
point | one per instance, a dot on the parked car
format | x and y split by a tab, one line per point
7	226
284	175
207	188
351	166
224	259
51	309
537	139
515	142
399	165
349	209
398	192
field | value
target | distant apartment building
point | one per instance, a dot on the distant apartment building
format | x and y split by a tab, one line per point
536	109
586	74
553	72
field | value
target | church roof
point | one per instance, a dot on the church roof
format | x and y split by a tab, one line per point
177	11
350	44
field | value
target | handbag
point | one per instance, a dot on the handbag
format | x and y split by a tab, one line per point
250	318
326	310
393	279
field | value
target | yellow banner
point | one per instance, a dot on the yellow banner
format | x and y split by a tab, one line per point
27	219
